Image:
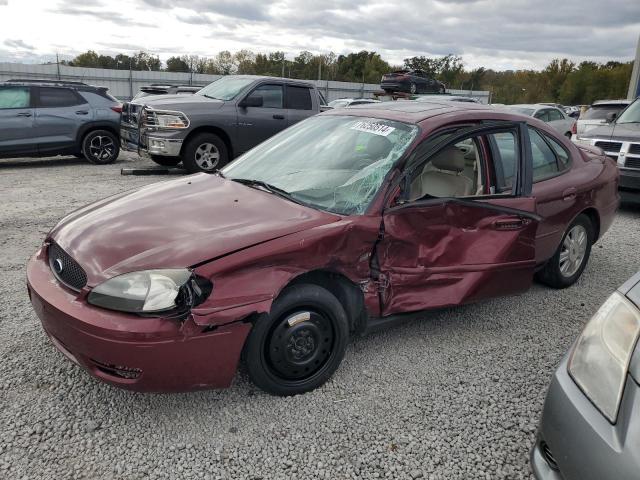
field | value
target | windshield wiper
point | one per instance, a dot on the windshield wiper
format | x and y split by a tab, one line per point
269	188
209	96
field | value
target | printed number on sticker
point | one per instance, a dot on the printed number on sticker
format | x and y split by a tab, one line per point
375	128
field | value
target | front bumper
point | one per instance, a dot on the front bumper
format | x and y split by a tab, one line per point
131	352
158	143
629	184
584	445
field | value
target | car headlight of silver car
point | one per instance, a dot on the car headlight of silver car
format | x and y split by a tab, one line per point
600	359
151	291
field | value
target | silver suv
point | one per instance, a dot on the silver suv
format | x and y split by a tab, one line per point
43	118
620	140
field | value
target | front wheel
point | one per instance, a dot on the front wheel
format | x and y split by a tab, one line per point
300	344
100	147
205	152
570	260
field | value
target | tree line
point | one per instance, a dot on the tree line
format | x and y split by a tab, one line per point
562	80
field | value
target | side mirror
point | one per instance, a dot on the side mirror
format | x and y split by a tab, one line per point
611	116
252	101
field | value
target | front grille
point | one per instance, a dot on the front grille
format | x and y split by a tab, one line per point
120	371
634	148
632	162
609	146
66	269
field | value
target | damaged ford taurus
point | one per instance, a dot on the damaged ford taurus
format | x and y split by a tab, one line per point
334	226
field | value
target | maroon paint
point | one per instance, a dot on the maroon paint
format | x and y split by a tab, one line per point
251	244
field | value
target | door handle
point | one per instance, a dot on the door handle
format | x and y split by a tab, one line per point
82	112
278	117
569	194
511	223
24	114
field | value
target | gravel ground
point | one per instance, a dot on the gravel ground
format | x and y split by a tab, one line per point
456	395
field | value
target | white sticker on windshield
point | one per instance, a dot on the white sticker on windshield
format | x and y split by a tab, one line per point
375	128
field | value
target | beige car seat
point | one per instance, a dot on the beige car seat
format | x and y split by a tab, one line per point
445	178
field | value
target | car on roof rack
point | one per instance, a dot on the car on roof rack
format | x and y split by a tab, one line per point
411	81
58	117
163	89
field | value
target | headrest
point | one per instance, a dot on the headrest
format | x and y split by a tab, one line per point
450	159
378	147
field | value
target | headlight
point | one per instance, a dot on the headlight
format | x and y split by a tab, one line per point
600	359
151	291
165	119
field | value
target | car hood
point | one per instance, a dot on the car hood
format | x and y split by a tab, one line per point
173	102
624	132
175	224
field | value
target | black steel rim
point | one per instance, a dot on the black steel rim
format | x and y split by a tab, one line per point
300	345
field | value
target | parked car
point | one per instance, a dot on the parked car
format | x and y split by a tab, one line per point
450	98
572	111
559	106
555	117
620	139
226	118
157	89
590	427
337	225
41	118
351	102
596	114
411	81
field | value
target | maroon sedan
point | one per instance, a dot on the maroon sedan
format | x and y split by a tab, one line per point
337	224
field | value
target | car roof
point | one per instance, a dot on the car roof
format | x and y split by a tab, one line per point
53	83
409	111
535	106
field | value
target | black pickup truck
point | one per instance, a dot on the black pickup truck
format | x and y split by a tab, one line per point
226	118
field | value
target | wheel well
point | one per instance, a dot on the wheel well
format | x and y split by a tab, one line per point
208	129
592	213
347	293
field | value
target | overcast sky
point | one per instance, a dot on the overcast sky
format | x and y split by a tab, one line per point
499	34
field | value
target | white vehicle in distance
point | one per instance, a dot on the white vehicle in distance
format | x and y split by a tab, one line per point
596	114
351	102
555	117
449	98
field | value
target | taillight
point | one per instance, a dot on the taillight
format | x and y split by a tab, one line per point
117	109
574	128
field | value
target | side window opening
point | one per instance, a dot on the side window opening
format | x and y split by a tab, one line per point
50	97
271	95
298	98
15	97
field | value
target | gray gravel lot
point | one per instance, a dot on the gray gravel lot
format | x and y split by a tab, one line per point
455	395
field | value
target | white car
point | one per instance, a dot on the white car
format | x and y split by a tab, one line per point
555	117
596	114
351	102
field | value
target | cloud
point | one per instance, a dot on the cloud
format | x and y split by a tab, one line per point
18	45
105	15
252	10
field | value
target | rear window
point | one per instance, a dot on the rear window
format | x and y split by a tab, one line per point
298	98
600	112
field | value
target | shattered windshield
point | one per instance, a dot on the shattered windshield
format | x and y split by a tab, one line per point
334	163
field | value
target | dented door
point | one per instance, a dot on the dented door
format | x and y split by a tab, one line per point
441	252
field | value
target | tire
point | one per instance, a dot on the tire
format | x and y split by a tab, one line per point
413	88
284	359
552	274
100	147
568	135
193	156
165	161
441	89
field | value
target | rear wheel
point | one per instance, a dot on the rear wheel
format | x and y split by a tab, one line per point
165	161
205	152
570	260
100	147
302	342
